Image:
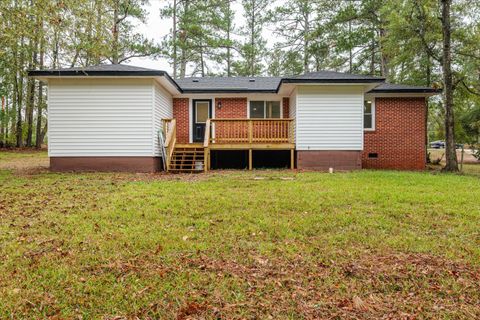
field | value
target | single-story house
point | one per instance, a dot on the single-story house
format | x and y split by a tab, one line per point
126	118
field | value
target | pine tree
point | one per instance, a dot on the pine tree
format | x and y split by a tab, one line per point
200	38
125	43
253	48
294	22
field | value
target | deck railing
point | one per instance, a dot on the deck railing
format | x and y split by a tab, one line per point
170	130
249	131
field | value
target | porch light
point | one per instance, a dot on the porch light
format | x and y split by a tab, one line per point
219	104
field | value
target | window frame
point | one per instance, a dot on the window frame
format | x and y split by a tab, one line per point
280	101
372	128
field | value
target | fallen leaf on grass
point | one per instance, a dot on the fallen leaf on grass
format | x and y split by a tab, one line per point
359	304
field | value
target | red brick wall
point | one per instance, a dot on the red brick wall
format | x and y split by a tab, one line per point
286	107
399	136
323	160
237	108
231	108
180	113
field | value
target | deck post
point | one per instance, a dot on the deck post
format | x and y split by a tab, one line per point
206	157
250	159
292	159
209	163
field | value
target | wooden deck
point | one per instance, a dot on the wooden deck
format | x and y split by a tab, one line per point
234	134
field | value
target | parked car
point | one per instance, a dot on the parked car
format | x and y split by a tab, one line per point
437	144
441	145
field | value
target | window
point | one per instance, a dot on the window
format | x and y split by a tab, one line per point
201	113
257	109
369	115
265	109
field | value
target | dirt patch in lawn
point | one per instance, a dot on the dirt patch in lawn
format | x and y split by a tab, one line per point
24	161
388	286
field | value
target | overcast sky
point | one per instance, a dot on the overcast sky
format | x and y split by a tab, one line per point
157	28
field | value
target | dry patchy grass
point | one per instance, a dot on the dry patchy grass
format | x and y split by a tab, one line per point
225	245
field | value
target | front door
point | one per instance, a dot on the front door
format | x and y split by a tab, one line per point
202	110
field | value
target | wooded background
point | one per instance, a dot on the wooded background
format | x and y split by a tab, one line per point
402	40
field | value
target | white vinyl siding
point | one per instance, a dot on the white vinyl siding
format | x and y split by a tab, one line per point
329	118
293	110
100	117
163	109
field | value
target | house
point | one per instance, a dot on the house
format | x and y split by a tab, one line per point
108	117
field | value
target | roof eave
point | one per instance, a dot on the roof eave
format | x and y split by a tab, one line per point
82	73
328	81
432	91
290	80
228	91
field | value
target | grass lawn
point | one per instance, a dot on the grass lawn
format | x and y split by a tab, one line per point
223	245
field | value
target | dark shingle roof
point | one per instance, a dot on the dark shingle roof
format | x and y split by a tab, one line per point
229	84
104	70
233	84
99	70
402	88
332	76
267	84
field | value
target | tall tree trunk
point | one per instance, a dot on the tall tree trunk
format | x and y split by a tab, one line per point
33	51
44	131
183	36
229	49
38	132
98	32
115	33
183	64
306	43
350	53
252	43
372	53
3	116
18	127
174	39
38	136
7	116
31	98
229	56
13	111
19	88
29	110
428	77
450	149
384	59
202	62
56	41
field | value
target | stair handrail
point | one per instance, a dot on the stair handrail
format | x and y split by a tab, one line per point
206	139
171	138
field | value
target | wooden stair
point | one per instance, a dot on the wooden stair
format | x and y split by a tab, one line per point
187	159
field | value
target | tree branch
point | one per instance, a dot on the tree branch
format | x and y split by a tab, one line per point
477	93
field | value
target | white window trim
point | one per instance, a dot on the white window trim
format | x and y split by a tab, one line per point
264	107
373	115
